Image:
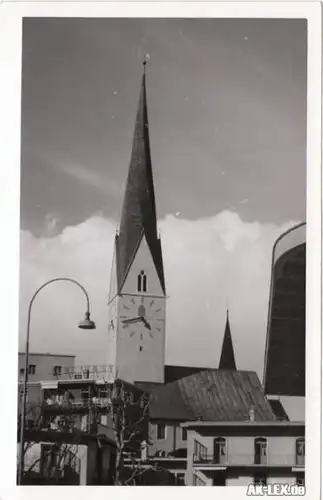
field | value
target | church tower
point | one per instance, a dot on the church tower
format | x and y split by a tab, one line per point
227	360
137	295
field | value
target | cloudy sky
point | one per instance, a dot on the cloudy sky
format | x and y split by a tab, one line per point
227	112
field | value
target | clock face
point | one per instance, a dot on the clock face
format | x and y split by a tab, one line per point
141	318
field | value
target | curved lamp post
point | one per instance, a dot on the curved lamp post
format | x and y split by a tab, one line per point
85	324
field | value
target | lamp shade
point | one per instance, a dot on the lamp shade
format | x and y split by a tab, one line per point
87	323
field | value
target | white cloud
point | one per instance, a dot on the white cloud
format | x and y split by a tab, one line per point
208	263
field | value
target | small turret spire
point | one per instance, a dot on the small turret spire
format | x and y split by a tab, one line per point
227	360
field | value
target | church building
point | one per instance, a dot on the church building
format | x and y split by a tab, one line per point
137	299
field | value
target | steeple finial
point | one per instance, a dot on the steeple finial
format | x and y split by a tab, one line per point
145	61
227	360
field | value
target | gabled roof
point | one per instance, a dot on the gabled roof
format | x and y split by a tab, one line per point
138	217
227	360
213	395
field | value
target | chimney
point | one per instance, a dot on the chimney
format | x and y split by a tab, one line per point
251	415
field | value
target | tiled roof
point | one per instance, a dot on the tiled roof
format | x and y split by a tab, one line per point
227	360
213	395
138	217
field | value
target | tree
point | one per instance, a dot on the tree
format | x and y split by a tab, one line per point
130	417
127	408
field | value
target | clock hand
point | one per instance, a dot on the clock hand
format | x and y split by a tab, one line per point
131	320
145	322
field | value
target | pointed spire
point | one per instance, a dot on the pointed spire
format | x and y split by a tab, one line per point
139	210
227	360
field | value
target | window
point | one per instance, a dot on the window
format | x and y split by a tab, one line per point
102	393
260	451
85	395
142	282
260	480
300	479
104	420
22	372
220	450
200	452
184	434
49	459
180	479
300	451
32	369
161	431
57	370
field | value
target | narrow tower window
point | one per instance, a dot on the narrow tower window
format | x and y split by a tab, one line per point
142	282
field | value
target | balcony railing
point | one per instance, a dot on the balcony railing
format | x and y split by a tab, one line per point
243	459
86	372
61	401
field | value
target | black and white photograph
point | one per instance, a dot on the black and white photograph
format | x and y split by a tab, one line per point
162	252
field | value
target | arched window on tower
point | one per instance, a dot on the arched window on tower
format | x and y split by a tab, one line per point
142	282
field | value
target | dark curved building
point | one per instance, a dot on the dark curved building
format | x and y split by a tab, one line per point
284	369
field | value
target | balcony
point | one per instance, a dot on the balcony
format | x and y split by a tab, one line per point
61	404
248	459
101	373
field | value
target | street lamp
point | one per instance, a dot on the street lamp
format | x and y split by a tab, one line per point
85	324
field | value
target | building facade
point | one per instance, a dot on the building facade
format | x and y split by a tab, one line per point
73	459
240	453
44	366
72	427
